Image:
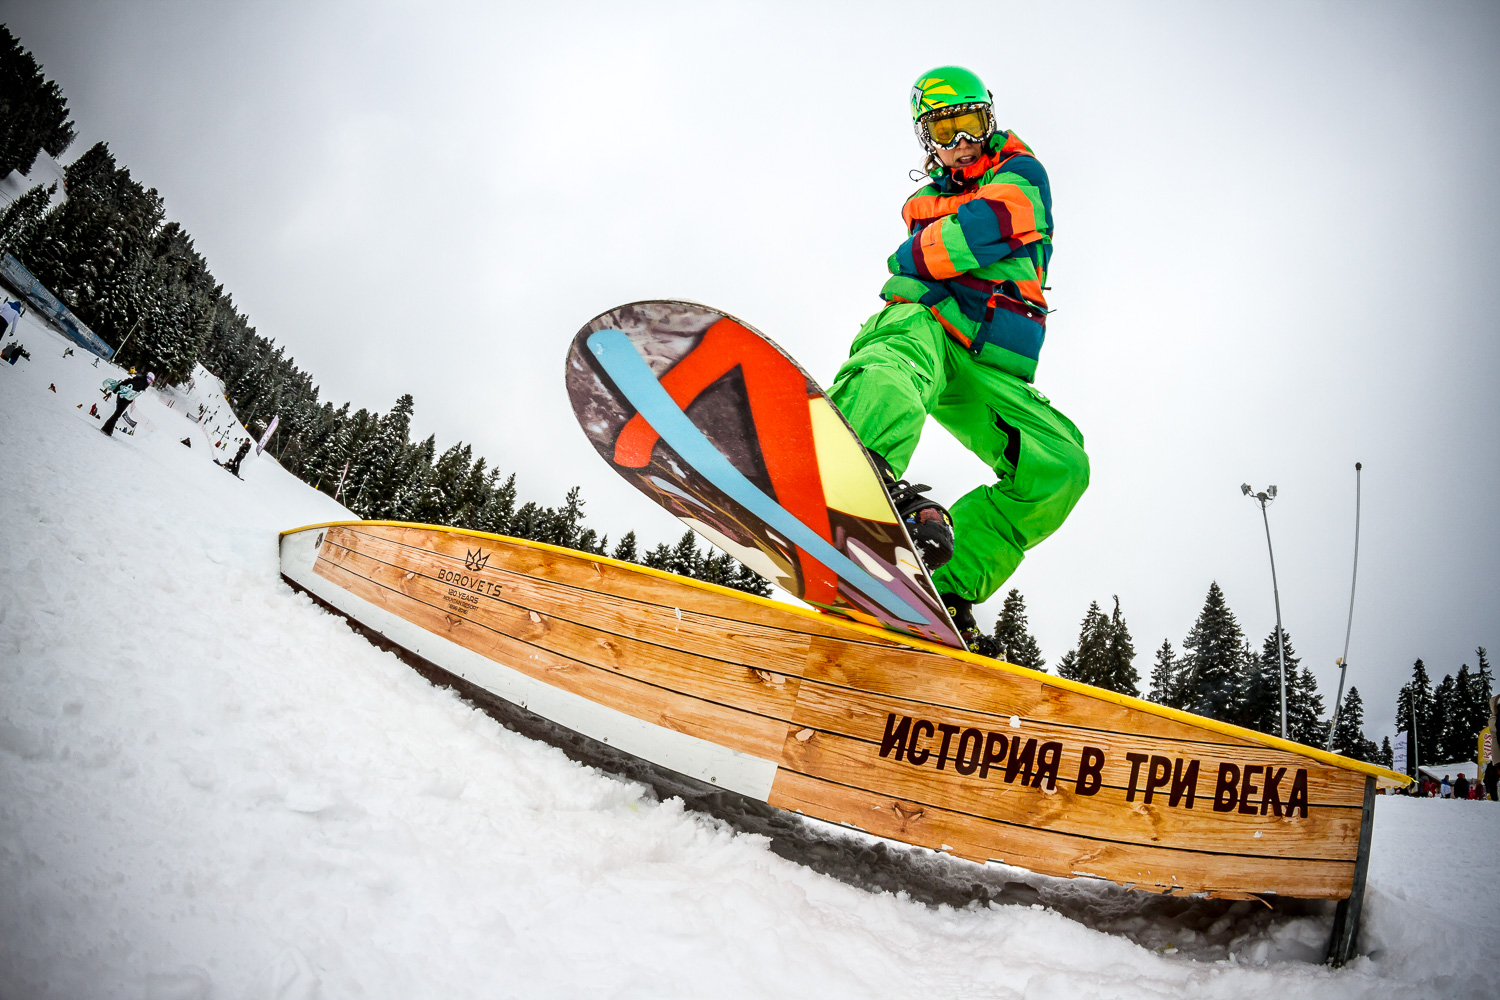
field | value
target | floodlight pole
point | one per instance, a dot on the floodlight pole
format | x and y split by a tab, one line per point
1344	660
1263	498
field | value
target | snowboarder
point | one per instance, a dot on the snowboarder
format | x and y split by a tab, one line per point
958	338
233	465
125	392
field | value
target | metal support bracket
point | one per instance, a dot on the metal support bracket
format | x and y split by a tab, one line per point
1346	916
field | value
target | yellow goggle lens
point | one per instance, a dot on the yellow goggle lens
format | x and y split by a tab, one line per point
944	131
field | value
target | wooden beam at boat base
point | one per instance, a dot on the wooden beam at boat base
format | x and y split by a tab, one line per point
854	725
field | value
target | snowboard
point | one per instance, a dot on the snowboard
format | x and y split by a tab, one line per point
711	419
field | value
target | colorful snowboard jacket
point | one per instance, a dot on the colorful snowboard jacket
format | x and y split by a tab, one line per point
981	240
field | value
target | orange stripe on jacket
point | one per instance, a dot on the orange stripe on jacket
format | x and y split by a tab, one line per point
935	253
933	206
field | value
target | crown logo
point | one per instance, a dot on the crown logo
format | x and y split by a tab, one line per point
476	560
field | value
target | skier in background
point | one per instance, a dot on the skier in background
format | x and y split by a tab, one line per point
125	392
10	316
233	465
958	338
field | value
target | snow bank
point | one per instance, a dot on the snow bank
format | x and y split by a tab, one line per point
209	788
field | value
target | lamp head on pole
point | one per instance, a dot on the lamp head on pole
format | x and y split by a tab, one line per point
1245	488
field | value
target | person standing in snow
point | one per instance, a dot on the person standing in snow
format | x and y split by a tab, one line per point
1447	788
1461	786
125	392
233	465
958	338
1492	780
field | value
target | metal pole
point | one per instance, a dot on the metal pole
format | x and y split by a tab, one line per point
1276	593
341	480
1338	702
1416	755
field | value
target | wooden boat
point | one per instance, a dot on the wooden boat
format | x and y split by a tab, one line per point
851	724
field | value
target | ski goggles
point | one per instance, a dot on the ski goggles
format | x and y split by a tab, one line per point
972	122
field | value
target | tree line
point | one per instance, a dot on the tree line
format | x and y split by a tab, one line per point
1220	674
134	277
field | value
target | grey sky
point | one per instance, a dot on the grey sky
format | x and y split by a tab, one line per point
1275	251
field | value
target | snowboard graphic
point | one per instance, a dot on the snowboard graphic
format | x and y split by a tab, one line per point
709	418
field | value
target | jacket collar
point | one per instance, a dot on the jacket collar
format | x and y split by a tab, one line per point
998	148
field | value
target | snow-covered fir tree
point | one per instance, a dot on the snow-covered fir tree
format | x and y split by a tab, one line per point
23	217
1349	734
625	549
1213	659
33	110
1414	718
1086	661
379	463
1167	685
1306	718
1119	672
1013	635
659	557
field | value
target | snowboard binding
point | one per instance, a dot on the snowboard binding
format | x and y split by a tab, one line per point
927	522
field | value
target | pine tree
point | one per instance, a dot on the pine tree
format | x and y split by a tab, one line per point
1484	680
33	111
750	581
1304	708
567	525
498	513
1444	711
380	463
528	521
685	560
1349	735
1386	757
1261	687
1089	661
1167	687
1012	634
1414	708
1119	658
1474	695
417	498
1461	726
625	550
1213	659
660	557
475	489
22	218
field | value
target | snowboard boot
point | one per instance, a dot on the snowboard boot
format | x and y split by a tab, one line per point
927	521
961	610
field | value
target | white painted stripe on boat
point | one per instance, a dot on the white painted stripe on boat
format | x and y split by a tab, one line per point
689	755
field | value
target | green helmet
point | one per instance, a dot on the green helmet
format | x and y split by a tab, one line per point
945	87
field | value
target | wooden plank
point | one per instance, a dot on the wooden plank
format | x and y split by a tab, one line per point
528	651
936	679
669	626
1052	853
605	578
1064	806
866	717
505	607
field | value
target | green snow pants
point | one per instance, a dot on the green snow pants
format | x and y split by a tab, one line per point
902	367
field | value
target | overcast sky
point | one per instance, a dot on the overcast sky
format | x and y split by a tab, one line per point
1276	252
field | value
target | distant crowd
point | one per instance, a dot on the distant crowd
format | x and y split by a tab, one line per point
1428	787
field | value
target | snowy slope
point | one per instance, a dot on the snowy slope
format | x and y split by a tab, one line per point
211	788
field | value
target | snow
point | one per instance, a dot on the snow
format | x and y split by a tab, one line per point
209	787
